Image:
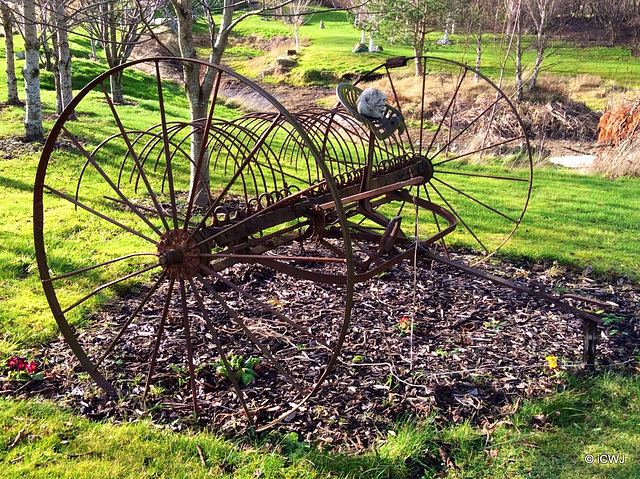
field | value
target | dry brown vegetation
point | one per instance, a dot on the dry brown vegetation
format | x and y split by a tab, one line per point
619	132
550	114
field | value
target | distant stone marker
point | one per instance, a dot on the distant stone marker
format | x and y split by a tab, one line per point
321	24
360	48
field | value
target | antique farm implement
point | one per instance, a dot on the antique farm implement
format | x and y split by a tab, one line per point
171	217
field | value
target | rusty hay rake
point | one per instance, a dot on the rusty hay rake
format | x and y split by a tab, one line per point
170	211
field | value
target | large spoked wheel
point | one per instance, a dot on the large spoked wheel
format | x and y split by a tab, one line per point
472	136
204	290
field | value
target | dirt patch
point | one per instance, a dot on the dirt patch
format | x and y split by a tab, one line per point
277	42
476	351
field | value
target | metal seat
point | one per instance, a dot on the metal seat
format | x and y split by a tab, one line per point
382	128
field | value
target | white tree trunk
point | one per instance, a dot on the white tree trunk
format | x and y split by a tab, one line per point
363	36
12	81
64	57
478	51
372	45
31	73
296	28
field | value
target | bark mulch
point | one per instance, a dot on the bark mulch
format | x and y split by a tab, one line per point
475	352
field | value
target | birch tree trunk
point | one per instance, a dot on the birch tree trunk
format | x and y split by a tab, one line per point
31	73
64	57
12	81
518	53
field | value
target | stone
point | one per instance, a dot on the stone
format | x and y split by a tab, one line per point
371	103
360	48
19	56
321	24
378	48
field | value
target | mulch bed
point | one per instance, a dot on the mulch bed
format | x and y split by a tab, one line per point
477	351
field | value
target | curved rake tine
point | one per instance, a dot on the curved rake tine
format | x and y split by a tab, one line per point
238	172
203	145
236	318
223	355
159	333
128	322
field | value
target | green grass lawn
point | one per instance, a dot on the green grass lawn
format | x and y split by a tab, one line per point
574	219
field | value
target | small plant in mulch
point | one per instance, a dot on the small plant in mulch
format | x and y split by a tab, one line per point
404	325
245	370
20	369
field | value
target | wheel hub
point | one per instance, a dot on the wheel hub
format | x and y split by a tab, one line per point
179	254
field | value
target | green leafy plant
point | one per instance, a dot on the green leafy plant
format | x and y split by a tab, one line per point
243	369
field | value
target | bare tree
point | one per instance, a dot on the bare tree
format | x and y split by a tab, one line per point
12	81
31	73
62	54
199	84
542	13
612	14
295	14
118	25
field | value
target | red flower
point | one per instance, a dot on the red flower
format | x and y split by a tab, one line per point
12	363
31	367
22	364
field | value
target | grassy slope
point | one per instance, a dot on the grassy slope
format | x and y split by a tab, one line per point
329	50
596	416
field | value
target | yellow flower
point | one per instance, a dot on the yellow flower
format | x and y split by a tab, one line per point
552	361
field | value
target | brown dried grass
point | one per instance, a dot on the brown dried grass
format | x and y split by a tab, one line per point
617	161
619	134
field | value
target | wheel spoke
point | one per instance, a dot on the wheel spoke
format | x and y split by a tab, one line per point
424	80
109	284
98	214
461	132
159	334
484	148
223	356
478	175
128	322
451	102
99	265
236	318
455	212
165	139
115	188
187	338
476	200
135	158
437	222
265	306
